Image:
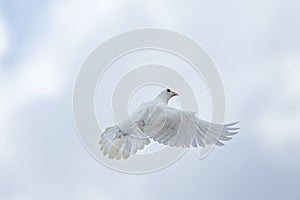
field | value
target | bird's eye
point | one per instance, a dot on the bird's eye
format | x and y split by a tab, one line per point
168	90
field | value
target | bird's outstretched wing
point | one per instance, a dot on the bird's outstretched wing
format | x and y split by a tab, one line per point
184	129
122	142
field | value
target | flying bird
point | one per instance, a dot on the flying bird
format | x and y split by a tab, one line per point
166	125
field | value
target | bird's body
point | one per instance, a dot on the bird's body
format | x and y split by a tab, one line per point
166	125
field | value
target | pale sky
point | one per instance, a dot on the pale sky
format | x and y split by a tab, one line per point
255	46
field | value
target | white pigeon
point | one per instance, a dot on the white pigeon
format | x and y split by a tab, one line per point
165	125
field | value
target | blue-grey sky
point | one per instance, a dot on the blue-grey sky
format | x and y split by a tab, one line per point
256	48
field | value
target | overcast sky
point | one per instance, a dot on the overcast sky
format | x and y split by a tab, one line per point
255	46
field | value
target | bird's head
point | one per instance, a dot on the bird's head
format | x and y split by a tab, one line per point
165	95
170	93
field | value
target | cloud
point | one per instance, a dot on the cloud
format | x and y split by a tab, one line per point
278	120
36	79
4	42
4	35
47	71
44	68
74	21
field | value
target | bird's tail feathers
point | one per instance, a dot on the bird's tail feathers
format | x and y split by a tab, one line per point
117	144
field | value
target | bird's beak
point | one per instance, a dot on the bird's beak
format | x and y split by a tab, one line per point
176	94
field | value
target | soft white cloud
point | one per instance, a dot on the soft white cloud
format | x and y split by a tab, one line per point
46	71
73	21
278	121
37	78
5	149
4	35
43	70
160	14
